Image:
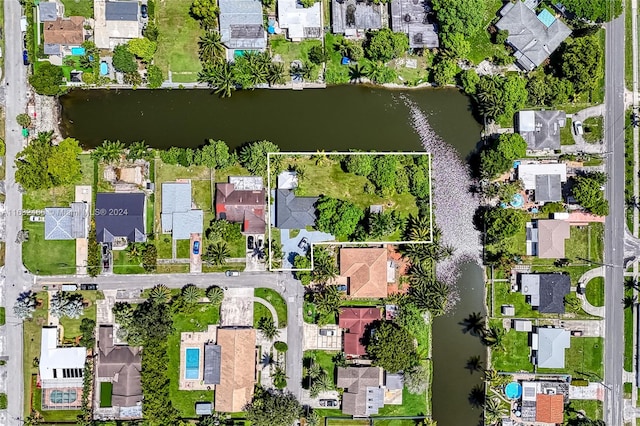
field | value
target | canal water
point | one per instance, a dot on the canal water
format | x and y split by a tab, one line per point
337	118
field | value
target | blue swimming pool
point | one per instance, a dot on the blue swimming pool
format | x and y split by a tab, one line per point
79	51
192	363
104	68
513	390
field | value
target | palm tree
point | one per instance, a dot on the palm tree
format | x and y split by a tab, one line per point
376	71
134	251
476	396
325	268
313	371
275	73
493	336
268	328
211	47
473	324
325	381
356	73
430	295
217	254
328	300
493	411
494	379
342	46
474	364
220	77
215	295
138	150
279	377
629	301
302	70
631	284
267	360
160	294
191	294
258	253
109	151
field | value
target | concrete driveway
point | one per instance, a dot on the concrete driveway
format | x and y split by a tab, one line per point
290	245
237	307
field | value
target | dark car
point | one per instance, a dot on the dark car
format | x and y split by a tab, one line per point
196	247
88	286
328	402
144	11
24	41
303	244
250	241
25	57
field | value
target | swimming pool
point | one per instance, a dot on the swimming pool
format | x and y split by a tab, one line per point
192	363
77	51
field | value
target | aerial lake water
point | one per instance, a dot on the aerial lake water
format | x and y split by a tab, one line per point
336	118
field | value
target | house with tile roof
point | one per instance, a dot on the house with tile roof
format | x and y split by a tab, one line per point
237	369
549	409
363	391
355	322
365	270
62	34
245	206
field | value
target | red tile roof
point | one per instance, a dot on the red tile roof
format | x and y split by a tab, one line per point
366	269
549	408
356	320
241	206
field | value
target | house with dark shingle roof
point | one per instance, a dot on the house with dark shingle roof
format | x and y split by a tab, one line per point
540	129
120	218
48	11
545	292
364	394
294	212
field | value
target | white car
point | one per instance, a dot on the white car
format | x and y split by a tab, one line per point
577	127
36	218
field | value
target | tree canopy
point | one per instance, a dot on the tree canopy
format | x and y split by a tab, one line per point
253	156
459	16
502	223
271	407
206	11
215	154
582	62
586	189
594	10
337	217
511	146
500	97
391	347
47	79
385	45
143	48
123	59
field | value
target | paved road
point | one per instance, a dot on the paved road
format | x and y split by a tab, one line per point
615	224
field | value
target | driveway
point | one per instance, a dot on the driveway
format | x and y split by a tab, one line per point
237	307
290	245
313	339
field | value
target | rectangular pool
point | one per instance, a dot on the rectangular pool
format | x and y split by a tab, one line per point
192	363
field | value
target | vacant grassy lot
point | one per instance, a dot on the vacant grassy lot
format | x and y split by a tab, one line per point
593	129
595	291
517	356
47	257
78	8
481	46
178	40
277	301
199	320
290	51
583	359
31	337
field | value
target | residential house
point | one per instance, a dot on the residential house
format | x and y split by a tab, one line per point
545	292
242	25
417	20
300	22
237	369
66	223
533	37
212	364
543	181
62	34
294	212
541	129
116	22
545	238
549	409
242	201
120	365
178	215
366	271
47	11
549	345
352	18
60	372
120	218
363	391
356	322
543	403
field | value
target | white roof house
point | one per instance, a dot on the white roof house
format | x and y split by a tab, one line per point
300	22
116	22
60	367
177	216
527	173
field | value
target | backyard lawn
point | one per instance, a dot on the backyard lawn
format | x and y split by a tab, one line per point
595	291
481	45
583	359
412	405
184	401
72	325
517	356
178	41
290	51
78	8
277	301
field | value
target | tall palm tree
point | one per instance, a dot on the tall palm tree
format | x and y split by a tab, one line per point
138	150
215	295
279	377
629	301
328	300
493	411
473	324
356	73
217	253
275	73
476	396
220	77
268	328
376	71
493	336
211	47
191	294
474	364
313	371
160	294
134	251
109	151
631	284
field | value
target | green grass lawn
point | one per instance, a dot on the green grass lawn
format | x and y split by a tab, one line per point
3	316
593	129
595	291
585	243
31	336
78	8
3	401
183	249
628	335
260	311
291	51
72	325
628	165
325	359
566	135
163	245
628	47
277	301
106	389
178	40
122	264
592	408
412	405
184	401
47	257
583	359
222	175
514	354
481	46
627	390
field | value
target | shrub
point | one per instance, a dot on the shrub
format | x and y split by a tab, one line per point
280	346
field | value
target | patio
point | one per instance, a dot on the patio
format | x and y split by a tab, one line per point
195	340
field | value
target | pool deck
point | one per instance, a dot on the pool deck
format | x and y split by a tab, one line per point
194	339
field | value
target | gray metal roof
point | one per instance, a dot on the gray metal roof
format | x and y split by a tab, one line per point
413	18
242	24
48	11
65	223
551	347
548	188
531	39
394	381
204	408
176	197
355	15
121	11
541	129
212	364
375	400
187	223
294	212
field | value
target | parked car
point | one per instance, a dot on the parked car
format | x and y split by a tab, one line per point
303	244
69	287
327	332
250	242
260	242
36	218
196	247
88	286
25	57
576	333
577	127
105	250
24	41
232	273
144	11
328	402
342	287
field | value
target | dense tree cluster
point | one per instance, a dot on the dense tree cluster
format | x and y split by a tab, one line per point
213	154
337	217
142	48
499	98
47	79
384	45
391	347
582	60
43	165
253	157
498	157
588	191
25	306
502	223
64	304
271	407
594	10
123	60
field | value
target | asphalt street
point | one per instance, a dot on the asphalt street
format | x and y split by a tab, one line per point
615	223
